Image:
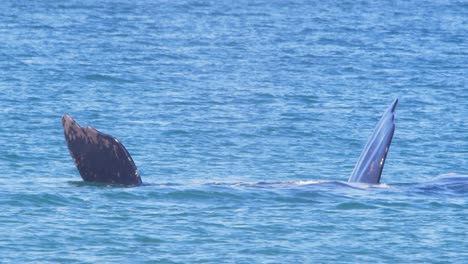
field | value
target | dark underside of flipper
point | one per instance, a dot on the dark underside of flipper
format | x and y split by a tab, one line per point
371	162
99	157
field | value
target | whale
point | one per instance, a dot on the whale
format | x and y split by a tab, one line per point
370	164
102	158
99	157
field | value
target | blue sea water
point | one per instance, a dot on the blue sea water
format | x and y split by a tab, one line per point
245	119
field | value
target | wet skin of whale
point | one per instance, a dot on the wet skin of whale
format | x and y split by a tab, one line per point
102	158
99	157
369	167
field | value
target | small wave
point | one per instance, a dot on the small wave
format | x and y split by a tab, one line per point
354	206
309	182
99	185
41	200
105	78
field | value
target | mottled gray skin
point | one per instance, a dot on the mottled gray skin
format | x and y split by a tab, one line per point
99	157
369	167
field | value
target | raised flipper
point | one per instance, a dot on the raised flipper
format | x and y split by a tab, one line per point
369	167
99	157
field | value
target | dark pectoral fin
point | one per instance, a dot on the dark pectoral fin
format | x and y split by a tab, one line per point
99	157
371	162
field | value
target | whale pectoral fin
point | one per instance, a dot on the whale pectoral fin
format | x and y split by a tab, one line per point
99	157
369	167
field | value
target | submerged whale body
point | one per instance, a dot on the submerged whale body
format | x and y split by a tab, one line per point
102	158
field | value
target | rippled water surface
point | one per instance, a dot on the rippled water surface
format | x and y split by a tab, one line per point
245	119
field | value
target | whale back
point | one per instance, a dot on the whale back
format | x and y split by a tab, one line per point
99	157
369	167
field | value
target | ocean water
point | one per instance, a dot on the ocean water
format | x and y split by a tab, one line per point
245	119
